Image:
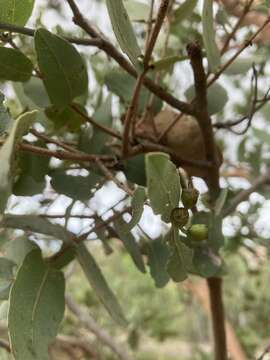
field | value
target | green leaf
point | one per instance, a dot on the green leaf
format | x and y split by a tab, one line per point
135	170
122	84
137	10
7	270
33	169
163	184
180	259
94	142
137	205
16	11
66	117
220	202
5	119
212	52
217	97
17	249
63	70
36	224
36	308
130	244
239	66
206	263
184	11
167	62
76	187
34	89
158	254
123	30
14	65
215	235
21	125
99	284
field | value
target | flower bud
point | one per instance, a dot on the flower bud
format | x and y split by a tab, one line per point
198	232
179	216
189	197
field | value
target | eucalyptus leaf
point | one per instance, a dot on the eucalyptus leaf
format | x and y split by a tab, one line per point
180	259
217	97
123	30
16	12
99	284
184	10
35	90
76	187
262	135
63	70
17	249
94	142
14	65
158	254
5	119
137	205
209	34
134	170
20	126
130	244
7	271
36	308
137	10
163	184
35	223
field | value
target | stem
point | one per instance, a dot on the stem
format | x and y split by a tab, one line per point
218	319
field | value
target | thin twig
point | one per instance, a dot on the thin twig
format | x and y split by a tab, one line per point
154	35
110	176
244	195
131	113
111	51
95	123
235	56
31	32
236	27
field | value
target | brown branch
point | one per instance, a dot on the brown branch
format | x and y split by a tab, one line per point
154	35
244	195
111	51
95	123
110	176
204	120
146	146
49	140
31	32
237	26
63	155
131	113
90	324
235	56
5	345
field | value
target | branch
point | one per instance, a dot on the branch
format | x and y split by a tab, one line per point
204	120
31	32
89	323
95	123
244	195
154	35
247	43
111	51
131	113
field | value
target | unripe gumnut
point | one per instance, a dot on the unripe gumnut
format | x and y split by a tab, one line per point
189	197
198	232
179	216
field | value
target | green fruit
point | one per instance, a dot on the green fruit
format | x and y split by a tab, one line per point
189	197
198	232
179	216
